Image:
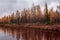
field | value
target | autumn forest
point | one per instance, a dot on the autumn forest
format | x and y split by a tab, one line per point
33	15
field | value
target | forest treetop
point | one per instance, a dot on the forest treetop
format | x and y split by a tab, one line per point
33	15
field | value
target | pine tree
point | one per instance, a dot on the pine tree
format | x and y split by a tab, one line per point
28	15
39	14
58	14
9	18
17	17
33	12
46	14
52	16
25	15
12	18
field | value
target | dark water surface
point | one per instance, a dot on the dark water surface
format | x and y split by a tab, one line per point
28	34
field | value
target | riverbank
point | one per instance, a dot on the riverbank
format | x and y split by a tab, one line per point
35	26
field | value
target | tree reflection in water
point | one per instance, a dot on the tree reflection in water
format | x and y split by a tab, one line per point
28	34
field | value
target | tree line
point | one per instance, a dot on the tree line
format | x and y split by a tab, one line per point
33	15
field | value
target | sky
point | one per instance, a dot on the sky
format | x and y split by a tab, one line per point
9	6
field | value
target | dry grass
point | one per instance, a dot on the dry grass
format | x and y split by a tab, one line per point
48	27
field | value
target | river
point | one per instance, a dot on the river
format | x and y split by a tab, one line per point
28	34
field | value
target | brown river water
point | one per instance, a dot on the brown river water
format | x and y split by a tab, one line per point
28	34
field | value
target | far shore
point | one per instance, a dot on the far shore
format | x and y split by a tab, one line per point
35	26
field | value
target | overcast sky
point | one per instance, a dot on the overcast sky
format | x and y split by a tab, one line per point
9	6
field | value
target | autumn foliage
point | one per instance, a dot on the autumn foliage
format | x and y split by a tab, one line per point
33	15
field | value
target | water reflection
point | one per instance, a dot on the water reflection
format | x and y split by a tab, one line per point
27	34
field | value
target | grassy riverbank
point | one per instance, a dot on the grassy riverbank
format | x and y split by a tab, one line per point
37	26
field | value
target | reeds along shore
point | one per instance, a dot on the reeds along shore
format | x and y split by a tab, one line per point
33	15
